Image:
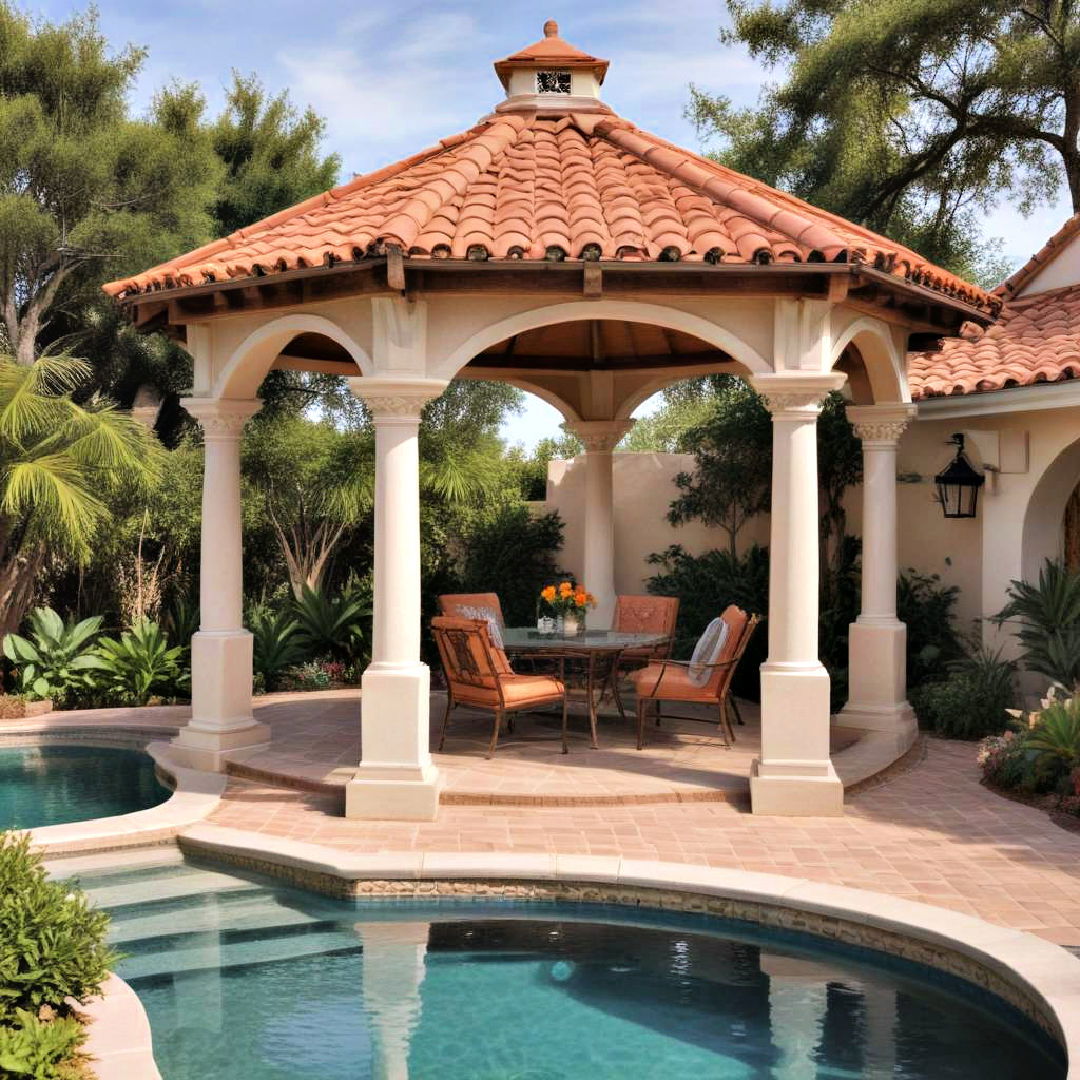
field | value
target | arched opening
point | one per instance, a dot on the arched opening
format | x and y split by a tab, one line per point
875	373
1052	519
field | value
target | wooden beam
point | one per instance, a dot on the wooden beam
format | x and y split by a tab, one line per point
324	367
592	281
839	284
395	268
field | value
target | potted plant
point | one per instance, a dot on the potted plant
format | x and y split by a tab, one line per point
568	602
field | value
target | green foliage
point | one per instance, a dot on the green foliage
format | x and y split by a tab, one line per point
277	646
270	152
58	659
334	627
141	664
912	118
1056	735
39	1048
52	943
705	585
1048	612
686	408
927	608
180	623
971	702
513	553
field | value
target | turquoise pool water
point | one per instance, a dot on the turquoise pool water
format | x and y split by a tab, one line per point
54	785
244	979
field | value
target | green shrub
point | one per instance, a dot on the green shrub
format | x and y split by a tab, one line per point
334	627
972	701
309	676
40	1048
1049	615
927	608
52	943
276	644
58	659
1056	734
140	664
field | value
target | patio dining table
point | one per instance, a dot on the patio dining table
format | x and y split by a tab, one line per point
596	652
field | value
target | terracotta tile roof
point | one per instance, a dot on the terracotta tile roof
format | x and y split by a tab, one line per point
1046	254
1036	339
520	184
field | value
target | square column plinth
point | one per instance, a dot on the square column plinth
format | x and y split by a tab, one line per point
877	690
794	776
396	779
221	720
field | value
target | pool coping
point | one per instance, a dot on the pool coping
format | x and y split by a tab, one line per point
119	1042
1039	978
195	795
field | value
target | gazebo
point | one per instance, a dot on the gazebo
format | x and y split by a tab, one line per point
556	246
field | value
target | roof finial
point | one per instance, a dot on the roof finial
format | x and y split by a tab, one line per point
551	28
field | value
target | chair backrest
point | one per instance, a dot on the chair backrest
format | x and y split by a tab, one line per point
646	614
740	627
469	605
467	654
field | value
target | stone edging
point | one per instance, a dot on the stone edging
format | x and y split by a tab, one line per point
1042	980
118	1039
195	796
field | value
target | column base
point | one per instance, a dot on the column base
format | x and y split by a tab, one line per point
383	793
815	793
877	680
221	722
396	779
794	776
211	750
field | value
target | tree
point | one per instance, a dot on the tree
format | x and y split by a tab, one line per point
733	462
58	462
271	155
686	406
911	117
85	191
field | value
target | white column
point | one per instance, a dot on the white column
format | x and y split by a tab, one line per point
877	642
221	722
794	775
600	437
396	778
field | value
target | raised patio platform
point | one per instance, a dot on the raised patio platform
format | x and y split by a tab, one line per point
316	745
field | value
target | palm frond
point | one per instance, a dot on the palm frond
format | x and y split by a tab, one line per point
52	490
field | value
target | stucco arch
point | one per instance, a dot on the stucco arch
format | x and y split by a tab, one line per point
884	367
251	360
565	409
1045	513
615	310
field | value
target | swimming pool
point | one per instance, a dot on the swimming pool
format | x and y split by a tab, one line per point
58	784
245	978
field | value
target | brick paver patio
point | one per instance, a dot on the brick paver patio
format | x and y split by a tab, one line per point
931	834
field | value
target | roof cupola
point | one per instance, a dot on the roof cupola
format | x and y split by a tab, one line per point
551	74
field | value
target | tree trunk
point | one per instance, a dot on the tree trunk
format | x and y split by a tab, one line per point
18	578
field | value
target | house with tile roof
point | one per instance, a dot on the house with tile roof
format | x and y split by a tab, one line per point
557	246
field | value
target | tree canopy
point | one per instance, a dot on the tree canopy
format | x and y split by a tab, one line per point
912	117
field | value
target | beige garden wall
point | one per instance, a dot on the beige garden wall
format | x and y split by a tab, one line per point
1031	457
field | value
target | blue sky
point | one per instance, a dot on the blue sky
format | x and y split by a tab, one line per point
391	78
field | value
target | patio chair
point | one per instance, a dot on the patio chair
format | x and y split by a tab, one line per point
479	676
646	615
705	679
480	605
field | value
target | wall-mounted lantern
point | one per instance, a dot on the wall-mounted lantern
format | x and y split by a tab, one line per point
958	485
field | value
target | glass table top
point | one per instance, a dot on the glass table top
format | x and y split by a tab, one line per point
524	638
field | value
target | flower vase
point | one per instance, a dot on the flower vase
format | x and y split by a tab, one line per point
571	626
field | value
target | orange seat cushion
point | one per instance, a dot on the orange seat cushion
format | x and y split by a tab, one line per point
674	685
519	691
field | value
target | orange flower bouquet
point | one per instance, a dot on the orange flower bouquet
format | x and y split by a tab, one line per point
567	599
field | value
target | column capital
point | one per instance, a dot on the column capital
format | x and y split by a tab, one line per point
791	395
880	425
391	400
222	418
600	436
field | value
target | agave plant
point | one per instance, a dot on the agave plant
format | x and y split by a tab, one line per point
58	659
1049	615
277	646
333	626
141	664
1057	733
